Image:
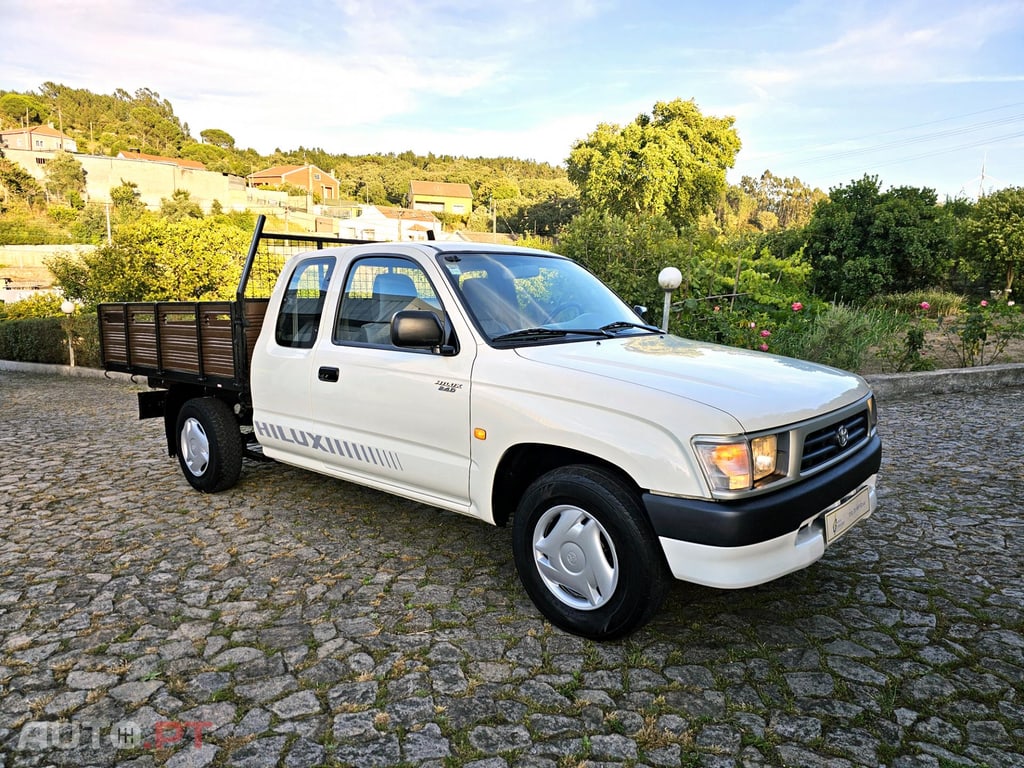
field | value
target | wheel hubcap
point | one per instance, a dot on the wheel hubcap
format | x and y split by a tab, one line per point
194	446
575	557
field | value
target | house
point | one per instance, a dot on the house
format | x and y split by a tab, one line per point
181	162
378	222
40	138
307	177
441	197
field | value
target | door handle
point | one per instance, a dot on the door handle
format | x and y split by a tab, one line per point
327	373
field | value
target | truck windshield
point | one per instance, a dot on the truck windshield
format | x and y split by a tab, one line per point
529	298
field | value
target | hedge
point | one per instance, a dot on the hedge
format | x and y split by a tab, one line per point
45	340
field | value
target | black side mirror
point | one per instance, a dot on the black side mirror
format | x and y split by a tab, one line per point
418	328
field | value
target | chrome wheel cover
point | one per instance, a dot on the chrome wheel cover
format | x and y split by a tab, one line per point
194	446
575	557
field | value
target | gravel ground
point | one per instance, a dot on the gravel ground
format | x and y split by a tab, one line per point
301	621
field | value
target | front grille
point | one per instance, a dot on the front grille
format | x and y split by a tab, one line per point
823	445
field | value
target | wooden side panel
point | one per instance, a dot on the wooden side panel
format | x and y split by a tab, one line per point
141	325
255	311
113	341
215	335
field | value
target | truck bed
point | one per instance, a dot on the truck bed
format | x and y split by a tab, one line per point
205	343
180	341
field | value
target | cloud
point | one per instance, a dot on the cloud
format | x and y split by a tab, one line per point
894	47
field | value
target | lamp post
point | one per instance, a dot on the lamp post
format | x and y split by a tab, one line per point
669	279
68	308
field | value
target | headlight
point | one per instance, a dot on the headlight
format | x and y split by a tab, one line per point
738	464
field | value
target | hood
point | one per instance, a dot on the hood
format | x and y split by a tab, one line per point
761	391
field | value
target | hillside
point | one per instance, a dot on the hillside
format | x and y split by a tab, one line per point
527	196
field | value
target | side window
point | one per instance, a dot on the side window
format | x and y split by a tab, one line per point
299	316
377	288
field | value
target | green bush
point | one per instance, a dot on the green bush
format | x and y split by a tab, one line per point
45	340
840	336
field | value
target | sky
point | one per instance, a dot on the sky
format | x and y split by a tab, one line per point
920	93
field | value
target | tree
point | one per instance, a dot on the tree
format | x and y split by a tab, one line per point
154	259
992	238
670	163
17	184
218	138
180	206
16	109
862	242
789	199
65	177
125	198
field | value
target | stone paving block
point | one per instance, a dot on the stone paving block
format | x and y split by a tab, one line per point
312	622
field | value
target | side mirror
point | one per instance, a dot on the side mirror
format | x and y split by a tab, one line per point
417	328
641	311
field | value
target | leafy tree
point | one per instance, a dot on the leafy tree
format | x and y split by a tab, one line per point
180	206
16	108
863	242
218	138
789	199
65	177
992	238
125	198
670	163
17	184
154	259
627	252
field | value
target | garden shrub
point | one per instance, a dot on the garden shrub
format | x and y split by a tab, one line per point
45	340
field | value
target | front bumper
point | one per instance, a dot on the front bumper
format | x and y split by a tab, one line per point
740	544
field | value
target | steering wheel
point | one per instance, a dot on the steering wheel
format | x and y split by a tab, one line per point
562	308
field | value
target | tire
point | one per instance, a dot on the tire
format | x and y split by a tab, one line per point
208	444
587	555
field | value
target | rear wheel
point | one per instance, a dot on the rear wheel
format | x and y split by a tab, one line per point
587	555
209	444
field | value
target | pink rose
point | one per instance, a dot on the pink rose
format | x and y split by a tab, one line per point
765	334
925	305
764	347
984	303
797	306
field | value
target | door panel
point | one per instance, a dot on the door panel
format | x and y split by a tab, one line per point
399	416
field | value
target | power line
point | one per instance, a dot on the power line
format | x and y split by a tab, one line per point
913	140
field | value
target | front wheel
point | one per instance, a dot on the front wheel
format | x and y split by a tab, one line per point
587	555
209	444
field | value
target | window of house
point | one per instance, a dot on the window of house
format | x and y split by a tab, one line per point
316	176
40	161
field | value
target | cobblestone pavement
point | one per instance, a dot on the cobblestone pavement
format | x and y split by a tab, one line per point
301	621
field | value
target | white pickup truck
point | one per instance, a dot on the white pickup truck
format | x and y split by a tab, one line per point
511	385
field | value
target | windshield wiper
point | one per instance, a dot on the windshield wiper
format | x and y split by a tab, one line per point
547	333
619	325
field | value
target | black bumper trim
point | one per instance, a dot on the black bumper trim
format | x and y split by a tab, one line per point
739	523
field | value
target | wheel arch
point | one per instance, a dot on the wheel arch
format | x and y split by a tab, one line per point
522	464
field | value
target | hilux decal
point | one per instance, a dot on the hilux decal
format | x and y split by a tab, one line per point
327	444
447	386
